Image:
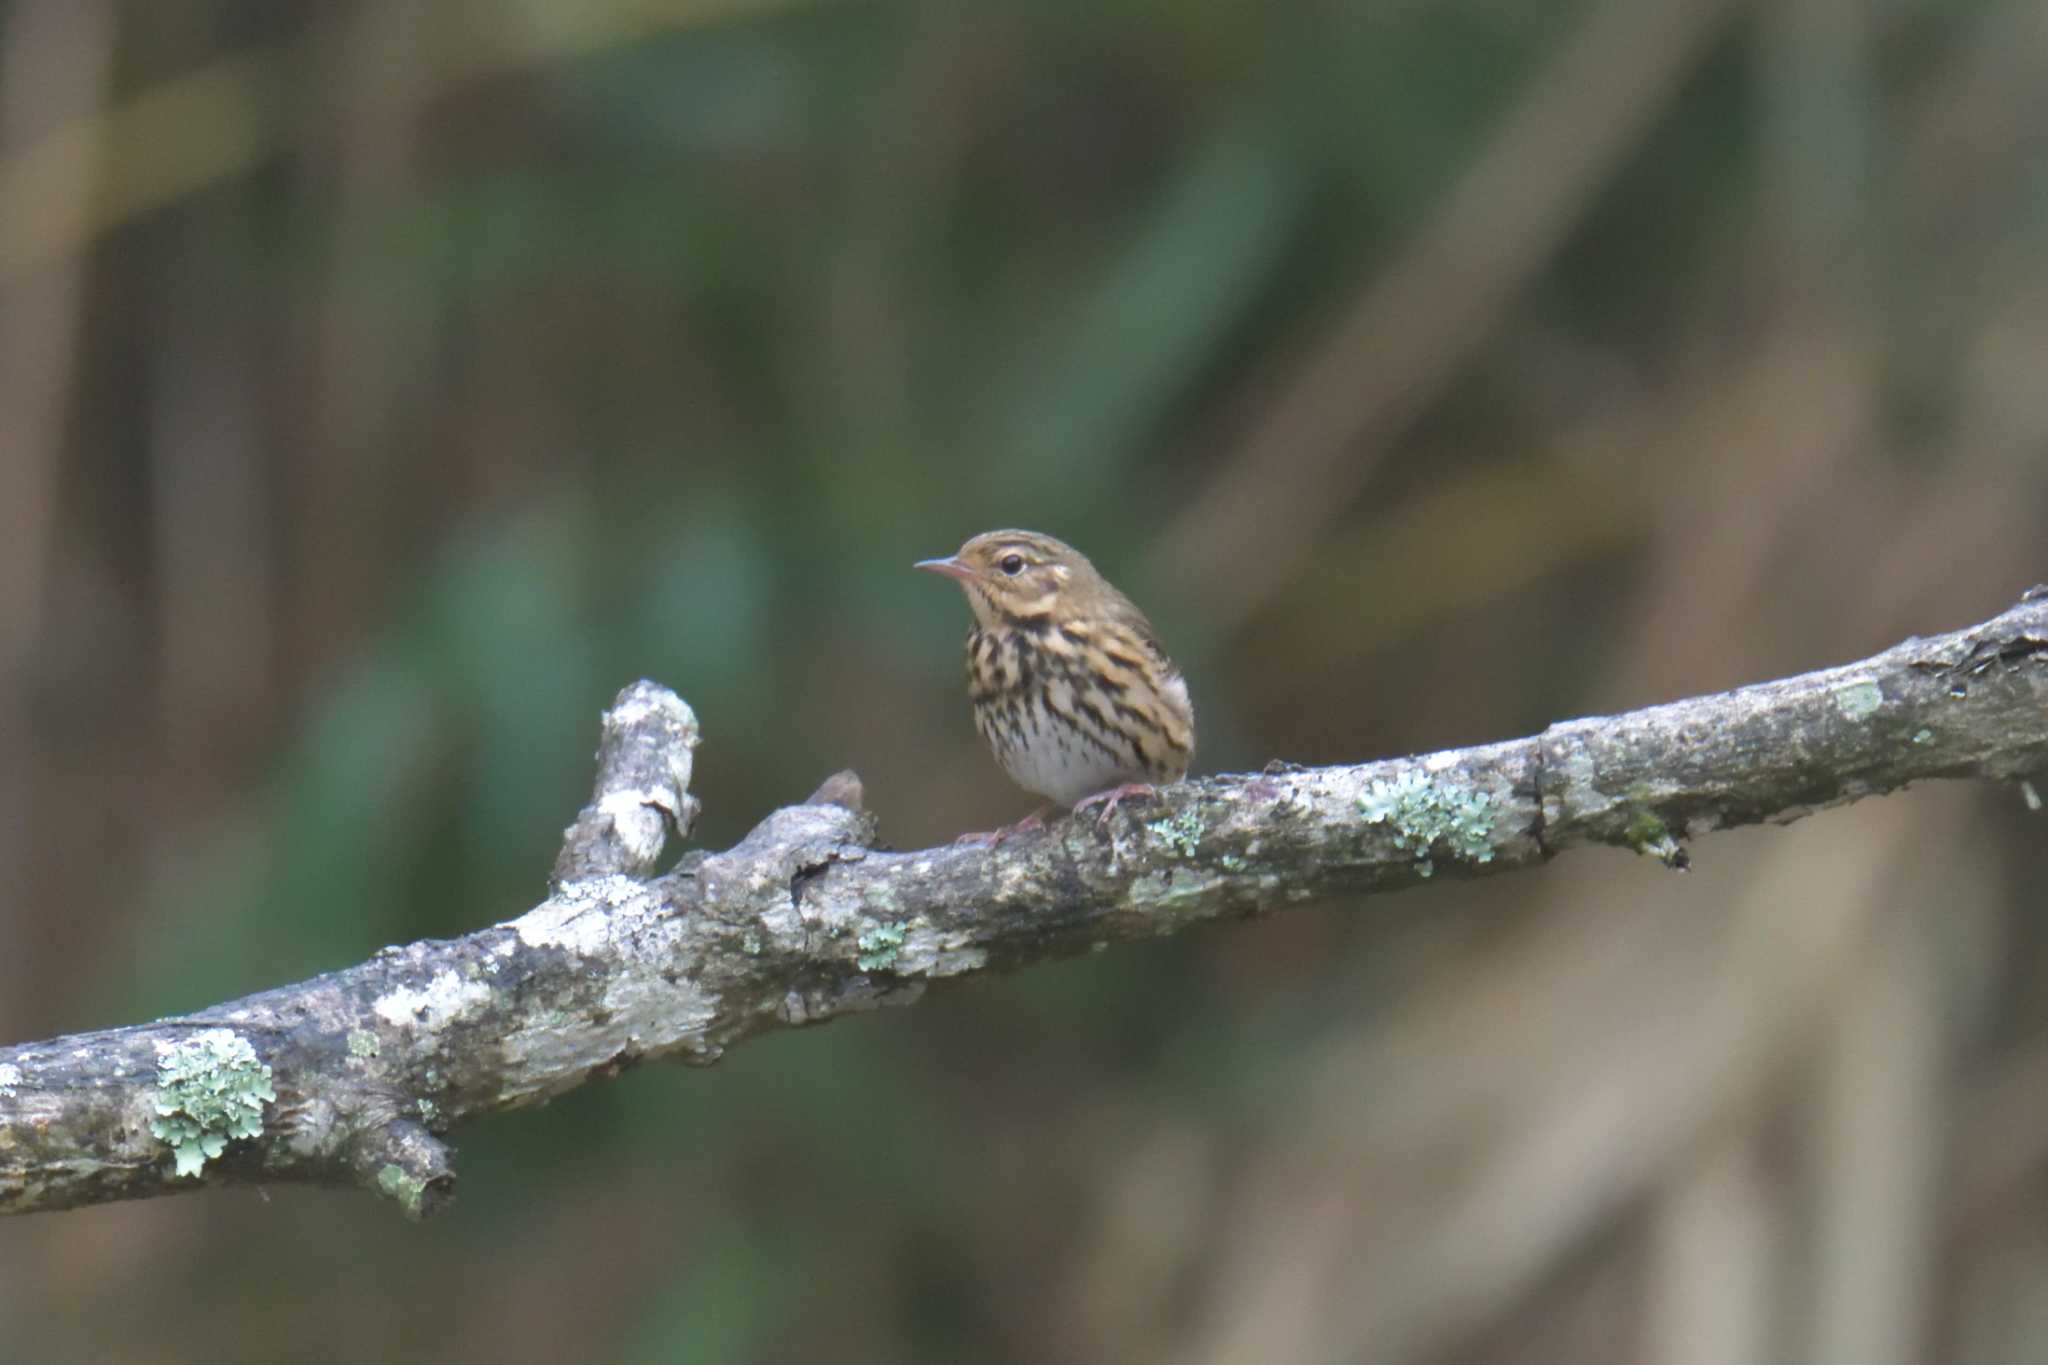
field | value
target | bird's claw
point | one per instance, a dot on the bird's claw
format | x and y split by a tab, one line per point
994	837
1110	798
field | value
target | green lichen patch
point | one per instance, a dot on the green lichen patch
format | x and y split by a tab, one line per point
362	1043
879	944
1427	812
1858	700
408	1191
211	1089
1181	833
1647	834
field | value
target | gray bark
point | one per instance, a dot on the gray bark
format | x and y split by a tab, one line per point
805	919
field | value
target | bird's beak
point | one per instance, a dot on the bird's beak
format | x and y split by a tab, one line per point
950	566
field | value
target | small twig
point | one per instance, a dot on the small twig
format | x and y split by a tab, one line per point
804	920
644	763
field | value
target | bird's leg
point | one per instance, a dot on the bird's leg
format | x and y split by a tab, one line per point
1110	798
1035	820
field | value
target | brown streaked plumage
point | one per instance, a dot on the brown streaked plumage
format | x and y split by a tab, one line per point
1072	691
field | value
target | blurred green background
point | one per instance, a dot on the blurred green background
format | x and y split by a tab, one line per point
384	385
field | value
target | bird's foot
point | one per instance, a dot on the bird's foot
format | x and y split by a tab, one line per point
1035	820
1110	798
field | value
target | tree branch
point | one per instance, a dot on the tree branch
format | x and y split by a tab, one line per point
351	1078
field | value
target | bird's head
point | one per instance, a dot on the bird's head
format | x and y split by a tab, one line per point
1018	577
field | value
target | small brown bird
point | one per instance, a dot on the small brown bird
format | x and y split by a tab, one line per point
1071	689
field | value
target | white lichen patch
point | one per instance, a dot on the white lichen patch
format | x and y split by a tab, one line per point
441	1001
640	1014
1011	878
211	1089
956	961
1171	889
1858	700
1574	770
782	924
10	1076
581	919
647	702
923	955
632	802
640	819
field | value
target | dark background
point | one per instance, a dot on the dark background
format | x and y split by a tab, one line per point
383	385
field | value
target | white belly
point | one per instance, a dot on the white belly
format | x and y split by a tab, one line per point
1055	762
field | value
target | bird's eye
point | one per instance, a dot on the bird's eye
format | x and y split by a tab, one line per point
1012	565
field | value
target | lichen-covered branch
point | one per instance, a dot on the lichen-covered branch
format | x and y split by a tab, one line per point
352	1077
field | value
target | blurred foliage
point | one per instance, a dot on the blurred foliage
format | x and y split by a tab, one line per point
388	385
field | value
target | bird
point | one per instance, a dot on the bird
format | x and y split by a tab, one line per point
1071	689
